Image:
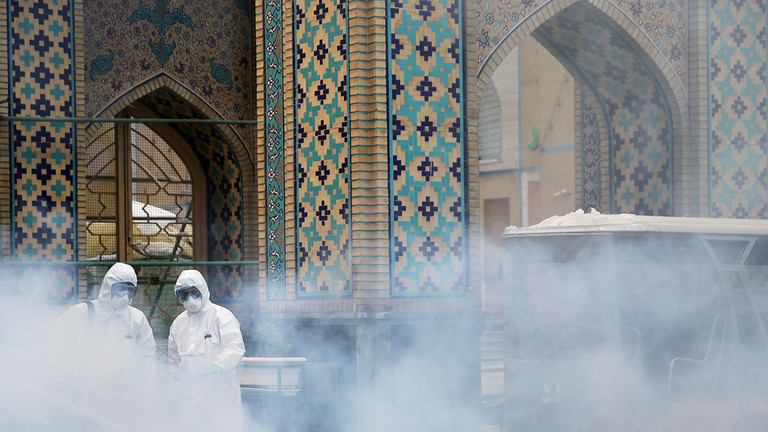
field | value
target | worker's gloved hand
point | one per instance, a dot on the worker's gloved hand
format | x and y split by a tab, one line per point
212	369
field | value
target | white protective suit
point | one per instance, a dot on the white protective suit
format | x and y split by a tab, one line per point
107	358
210	336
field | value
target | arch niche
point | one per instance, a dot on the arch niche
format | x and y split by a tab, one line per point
631	116
221	168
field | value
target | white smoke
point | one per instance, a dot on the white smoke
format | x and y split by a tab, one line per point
632	332
591	343
46	369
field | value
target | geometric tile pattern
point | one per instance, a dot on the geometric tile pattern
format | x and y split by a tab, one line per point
202	45
427	173
322	148
224	186
42	153
633	101
663	22
739	171
273	56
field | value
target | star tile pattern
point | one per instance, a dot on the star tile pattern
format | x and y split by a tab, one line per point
42	153
632	100
739	171
123	52
428	230
322	148
128	42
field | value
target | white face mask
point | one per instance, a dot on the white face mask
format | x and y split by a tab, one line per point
193	305
120	302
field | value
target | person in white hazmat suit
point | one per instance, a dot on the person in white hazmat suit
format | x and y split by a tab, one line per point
107	362
205	346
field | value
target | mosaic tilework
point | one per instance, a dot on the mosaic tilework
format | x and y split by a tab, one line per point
275	151
636	107
205	49
664	22
692	164
591	155
5	131
427	148
225	183
322	148
203	45
42	163
738	109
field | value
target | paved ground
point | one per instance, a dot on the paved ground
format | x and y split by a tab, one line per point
492	371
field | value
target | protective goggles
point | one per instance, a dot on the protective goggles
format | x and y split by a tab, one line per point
184	293
121	289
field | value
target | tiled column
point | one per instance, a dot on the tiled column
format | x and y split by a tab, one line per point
41	83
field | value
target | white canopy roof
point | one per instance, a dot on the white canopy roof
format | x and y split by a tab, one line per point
594	221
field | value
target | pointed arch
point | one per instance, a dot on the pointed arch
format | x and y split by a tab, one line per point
634	83
668	68
224	159
191	102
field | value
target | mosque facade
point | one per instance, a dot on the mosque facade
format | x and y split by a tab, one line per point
322	158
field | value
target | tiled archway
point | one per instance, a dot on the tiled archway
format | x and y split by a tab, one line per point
636	75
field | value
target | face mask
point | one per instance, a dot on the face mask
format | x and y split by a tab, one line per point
193	305
120	302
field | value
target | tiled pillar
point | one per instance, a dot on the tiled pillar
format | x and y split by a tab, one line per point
737	104
41	83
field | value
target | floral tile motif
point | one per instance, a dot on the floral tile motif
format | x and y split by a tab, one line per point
202	45
664	22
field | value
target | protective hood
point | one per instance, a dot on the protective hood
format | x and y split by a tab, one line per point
120	272
193	278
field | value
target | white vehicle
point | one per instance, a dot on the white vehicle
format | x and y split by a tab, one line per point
626	322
